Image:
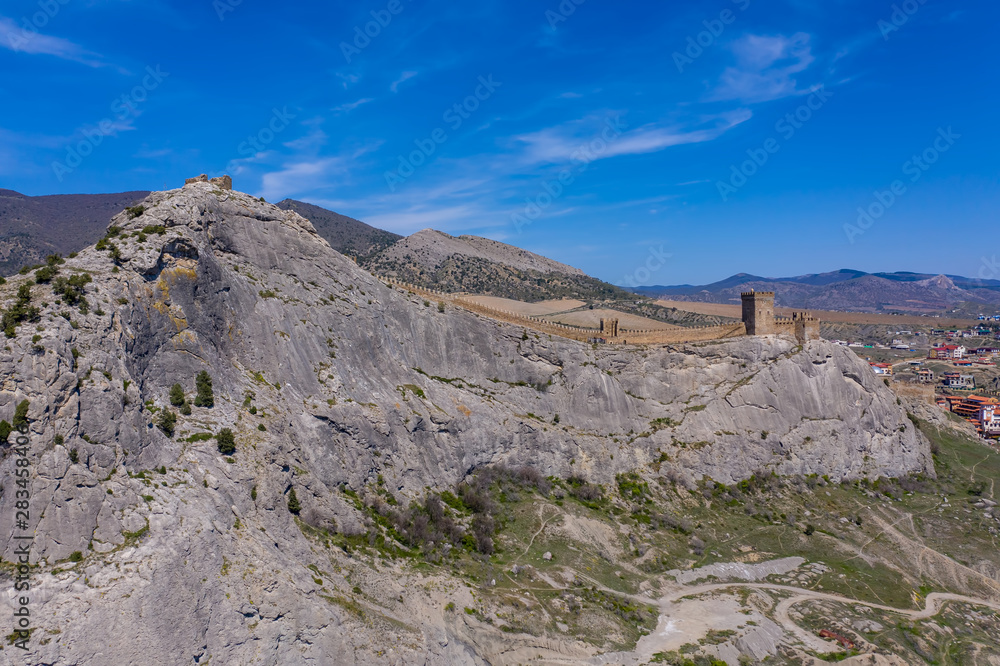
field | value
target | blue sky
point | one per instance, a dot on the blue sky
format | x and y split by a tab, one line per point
617	137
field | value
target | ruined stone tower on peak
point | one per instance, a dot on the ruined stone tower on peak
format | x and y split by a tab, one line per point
222	182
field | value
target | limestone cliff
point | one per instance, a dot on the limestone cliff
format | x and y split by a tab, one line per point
332	380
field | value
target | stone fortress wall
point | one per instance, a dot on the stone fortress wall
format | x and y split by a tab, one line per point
758	319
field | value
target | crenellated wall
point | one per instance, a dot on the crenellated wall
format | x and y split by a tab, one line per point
758	313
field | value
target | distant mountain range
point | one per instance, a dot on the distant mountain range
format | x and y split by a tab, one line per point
851	290
32	228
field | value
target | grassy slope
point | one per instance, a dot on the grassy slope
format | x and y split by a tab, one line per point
891	543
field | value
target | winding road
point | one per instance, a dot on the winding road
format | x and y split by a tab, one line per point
650	646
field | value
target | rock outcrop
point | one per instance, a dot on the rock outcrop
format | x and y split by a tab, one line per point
330	379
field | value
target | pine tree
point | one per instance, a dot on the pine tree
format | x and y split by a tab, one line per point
293	502
203	384
168	419
227	442
176	395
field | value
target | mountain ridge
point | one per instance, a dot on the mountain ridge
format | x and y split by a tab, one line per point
849	290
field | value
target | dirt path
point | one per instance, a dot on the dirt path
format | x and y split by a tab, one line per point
545	521
972	475
924	554
932	607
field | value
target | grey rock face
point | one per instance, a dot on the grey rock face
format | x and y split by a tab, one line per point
350	380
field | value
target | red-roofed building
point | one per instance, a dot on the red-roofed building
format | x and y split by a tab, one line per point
947	351
983	412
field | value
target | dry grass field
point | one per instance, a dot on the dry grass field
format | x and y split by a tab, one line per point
526	309
592	319
570	312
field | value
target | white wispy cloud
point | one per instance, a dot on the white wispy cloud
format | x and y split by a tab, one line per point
765	68
16	38
308	143
556	145
405	76
350	106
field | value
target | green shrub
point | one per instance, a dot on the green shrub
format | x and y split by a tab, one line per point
5	430
260	426
72	289
167	422
186	408
20	312
226	441
21	414
45	274
203	385
58	440
293	502
133	212
253	493
76	556
176	395
74	457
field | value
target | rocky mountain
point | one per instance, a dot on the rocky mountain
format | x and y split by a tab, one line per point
344	234
477	265
32	228
275	511
429	249
850	290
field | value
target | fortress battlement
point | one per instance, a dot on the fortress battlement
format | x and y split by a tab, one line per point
758	319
